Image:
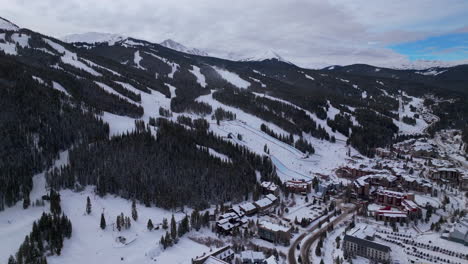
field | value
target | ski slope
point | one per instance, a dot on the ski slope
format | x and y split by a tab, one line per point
291	162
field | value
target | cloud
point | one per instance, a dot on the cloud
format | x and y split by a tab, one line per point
306	32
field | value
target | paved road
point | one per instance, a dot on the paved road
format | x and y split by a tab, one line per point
305	250
291	253
292	250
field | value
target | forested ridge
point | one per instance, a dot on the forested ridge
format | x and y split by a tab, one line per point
167	170
36	123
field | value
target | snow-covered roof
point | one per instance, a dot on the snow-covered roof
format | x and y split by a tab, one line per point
269	185
422	146
271	197
364	232
237	210
213	260
264	202
271	260
274	227
392	193
253	256
247	206
409	205
363	180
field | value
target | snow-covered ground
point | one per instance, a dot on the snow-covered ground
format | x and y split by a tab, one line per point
57	86
9	47
137	59
200	77
149	102
232	78
90	244
71	58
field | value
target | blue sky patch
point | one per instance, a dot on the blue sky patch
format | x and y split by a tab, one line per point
449	47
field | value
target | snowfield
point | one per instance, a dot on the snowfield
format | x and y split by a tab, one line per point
232	78
404	110
71	58
136	59
149	102
200	77
57	86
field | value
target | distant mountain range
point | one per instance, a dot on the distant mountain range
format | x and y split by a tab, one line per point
269	54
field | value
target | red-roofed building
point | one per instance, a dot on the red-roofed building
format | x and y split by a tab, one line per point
299	186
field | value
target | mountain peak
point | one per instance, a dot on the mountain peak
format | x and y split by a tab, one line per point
93	37
267	55
171	44
7	25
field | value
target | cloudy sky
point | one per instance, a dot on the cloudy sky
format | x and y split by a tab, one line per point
309	33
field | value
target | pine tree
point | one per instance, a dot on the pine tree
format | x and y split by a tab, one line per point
318	250
173	228
128	222
117	222
168	240
134	211
163	242
150	225
12	260
88	205
180	230
26	202
103	222
165	224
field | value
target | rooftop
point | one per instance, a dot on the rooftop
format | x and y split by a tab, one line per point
213	260
263	202
253	255
274	227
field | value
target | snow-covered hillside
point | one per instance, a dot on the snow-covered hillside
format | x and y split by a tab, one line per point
266	55
7	25
171	44
427	64
93	37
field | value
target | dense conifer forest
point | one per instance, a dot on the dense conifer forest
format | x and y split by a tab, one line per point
169	171
36	122
375	130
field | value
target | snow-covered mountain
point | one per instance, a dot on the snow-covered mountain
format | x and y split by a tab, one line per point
93	37
7	25
266	55
428	64
171	44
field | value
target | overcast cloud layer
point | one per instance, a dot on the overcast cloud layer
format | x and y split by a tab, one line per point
308	33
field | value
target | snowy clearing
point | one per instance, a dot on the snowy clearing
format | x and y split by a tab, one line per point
232	78
200	77
71	58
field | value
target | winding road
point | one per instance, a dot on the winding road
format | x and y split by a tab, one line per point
305	248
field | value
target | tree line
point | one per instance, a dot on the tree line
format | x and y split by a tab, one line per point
174	171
